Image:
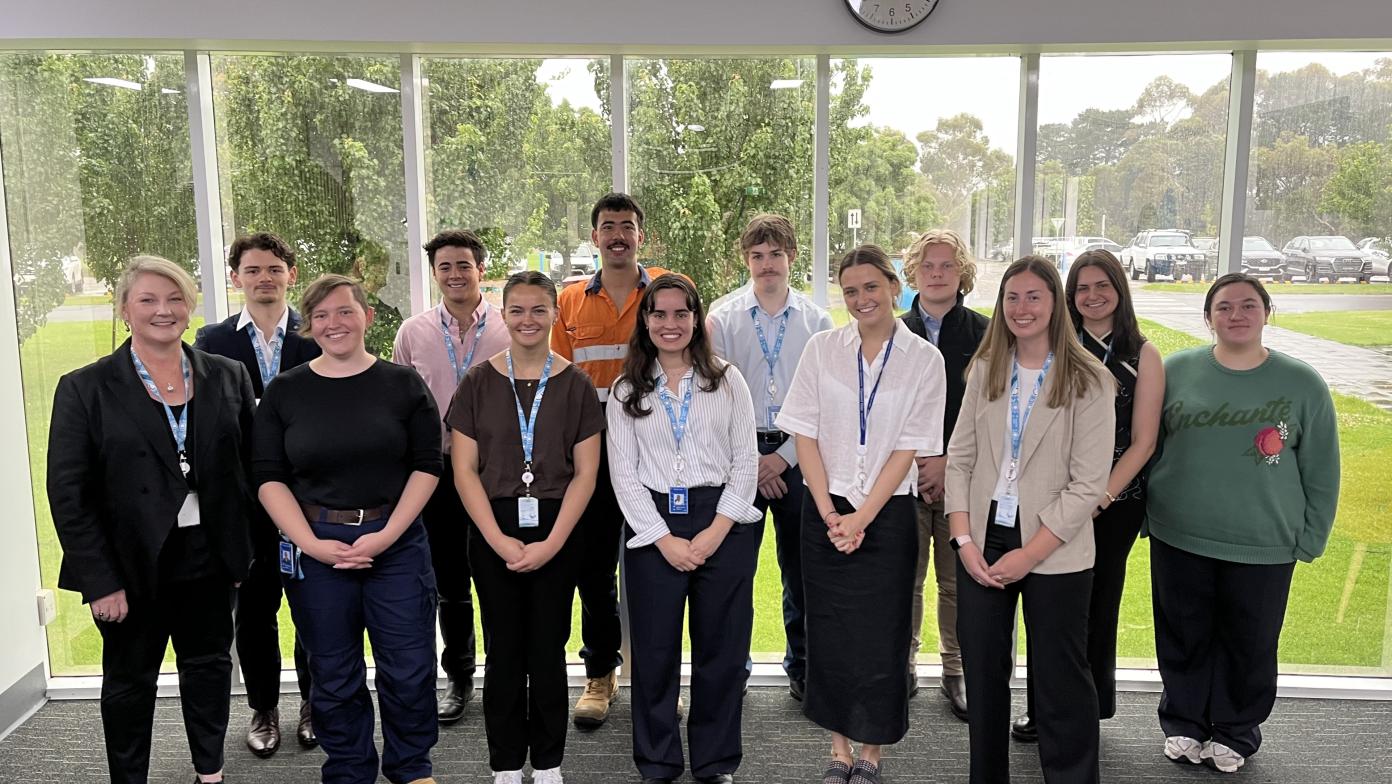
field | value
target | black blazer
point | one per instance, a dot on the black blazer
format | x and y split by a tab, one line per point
224	340
114	484
962	332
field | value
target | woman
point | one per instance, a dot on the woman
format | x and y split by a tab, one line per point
1026	468
347	452
1099	306
525	470
1247	484
684	465
148	488
859	541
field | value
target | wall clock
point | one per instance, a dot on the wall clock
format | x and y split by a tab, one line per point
888	16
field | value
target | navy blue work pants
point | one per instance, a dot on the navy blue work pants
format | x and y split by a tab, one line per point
787	527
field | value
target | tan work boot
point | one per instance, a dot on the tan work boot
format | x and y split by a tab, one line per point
592	709
427	780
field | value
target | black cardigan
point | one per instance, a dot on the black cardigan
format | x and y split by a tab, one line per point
961	333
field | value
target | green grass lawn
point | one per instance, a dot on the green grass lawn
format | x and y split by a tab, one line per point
1282	288
1354	327
1338	615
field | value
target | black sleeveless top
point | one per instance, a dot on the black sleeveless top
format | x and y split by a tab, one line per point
1124	369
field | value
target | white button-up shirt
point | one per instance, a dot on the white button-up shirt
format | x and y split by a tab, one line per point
265	340
733	337
823	403
718	448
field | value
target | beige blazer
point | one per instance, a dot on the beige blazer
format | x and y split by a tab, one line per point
1065	459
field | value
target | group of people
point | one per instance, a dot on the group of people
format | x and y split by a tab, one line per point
525	450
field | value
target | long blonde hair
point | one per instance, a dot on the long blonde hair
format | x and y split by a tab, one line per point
1076	369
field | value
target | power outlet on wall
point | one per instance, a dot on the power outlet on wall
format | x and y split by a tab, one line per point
48	606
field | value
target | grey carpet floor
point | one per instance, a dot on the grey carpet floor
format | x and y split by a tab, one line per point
1306	742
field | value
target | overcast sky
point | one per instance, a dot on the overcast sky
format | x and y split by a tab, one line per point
911	95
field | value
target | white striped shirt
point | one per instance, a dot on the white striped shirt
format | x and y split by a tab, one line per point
718	448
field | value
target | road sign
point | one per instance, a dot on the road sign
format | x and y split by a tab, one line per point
853	219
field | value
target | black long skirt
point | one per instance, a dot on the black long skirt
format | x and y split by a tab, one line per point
858	609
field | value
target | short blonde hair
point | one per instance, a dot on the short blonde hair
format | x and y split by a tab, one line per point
155	265
966	265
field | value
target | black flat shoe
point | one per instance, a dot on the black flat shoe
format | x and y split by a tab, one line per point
796	688
866	772
1023	730
304	733
719	778
954	688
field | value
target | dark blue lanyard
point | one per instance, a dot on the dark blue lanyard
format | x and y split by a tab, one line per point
268	371
770	358
866	406
449	344
1017	423
179	427
528	424
678	424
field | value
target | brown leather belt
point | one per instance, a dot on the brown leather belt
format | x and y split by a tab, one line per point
318	514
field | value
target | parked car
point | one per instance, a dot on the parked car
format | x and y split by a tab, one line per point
1379	252
1327	257
1162	253
1261	259
1070	248
1208	246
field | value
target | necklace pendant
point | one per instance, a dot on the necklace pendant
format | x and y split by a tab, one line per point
168	387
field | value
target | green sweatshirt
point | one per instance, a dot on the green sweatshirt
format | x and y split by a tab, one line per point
1249	467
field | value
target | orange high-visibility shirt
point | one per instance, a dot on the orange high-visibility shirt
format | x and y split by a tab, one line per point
593	332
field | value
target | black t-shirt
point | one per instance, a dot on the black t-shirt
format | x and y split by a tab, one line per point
186	554
346	443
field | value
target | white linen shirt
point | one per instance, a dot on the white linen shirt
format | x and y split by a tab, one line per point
266	341
823	403
718	448
732	334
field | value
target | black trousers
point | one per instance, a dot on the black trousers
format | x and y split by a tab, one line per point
720	595
1217	627
258	626
527	616
447	526
787	525
197	616
1056	607
1114	532
598	534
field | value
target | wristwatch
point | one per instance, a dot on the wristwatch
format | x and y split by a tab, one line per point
957	542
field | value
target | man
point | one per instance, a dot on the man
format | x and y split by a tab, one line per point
265	338
442	344
592	329
763	330
940	268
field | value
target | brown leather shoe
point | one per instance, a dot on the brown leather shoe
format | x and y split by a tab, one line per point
263	737
304	733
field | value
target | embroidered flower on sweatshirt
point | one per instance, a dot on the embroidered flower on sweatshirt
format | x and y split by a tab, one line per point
1268	443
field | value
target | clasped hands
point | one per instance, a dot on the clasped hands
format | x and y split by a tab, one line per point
846	532
522	556
687	555
341	555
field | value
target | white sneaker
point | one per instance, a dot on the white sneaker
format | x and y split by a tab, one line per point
1223	758
548	776
507	777
1181	748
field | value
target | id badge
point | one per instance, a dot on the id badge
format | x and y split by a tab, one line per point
1007	507
676	501
772	415
188	513
528	512
290	560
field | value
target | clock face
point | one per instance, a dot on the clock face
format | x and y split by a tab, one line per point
889	16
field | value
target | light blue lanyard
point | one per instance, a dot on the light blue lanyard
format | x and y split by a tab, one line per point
678	424
179	427
528	424
459	371
268	372
1017	423
864	405
770	358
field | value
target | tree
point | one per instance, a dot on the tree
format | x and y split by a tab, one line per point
1360	190
1287	180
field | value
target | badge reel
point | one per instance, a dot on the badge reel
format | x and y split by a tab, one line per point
772	409
528	508
1008	504
677	494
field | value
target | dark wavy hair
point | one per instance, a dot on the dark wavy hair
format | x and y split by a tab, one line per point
642	352
1126	332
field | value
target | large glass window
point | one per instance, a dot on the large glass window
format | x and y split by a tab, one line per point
1132	144
97	169
518	151
711	143
310	148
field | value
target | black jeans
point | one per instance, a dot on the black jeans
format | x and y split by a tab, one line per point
787	522
597	577
1217	627
258	624
447	526
197	616
527	615
1056	607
